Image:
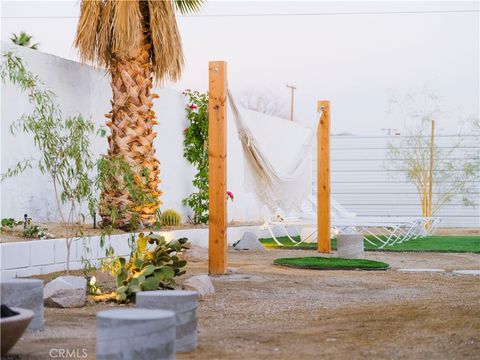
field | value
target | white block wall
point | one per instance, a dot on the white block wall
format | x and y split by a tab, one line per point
27	258
363	186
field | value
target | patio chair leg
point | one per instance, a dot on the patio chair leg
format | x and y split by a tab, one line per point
269	228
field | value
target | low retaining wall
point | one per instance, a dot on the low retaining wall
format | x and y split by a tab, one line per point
36	257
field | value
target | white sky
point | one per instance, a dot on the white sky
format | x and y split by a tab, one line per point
353	60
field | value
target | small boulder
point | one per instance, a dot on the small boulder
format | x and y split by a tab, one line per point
196	253
66	292
249	241
201	284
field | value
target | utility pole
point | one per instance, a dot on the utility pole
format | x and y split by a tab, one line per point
293	88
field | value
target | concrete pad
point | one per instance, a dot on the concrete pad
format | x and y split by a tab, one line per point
135	334
421	270
466	272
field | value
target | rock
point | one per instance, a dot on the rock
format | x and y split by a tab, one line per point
201	284
196	253
26	294
249	241
231	270
66	292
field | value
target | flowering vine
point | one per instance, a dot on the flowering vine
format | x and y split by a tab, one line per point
196	152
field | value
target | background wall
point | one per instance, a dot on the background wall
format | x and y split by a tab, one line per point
86	90
362	185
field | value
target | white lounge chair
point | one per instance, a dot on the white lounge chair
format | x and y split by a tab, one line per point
386	230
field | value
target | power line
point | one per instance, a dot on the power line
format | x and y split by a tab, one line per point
279	14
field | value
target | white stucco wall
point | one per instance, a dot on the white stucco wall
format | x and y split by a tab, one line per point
86	90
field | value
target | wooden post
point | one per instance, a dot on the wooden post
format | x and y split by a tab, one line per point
217	167
430	180
323	178
293	88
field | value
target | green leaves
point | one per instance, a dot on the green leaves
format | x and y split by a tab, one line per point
185	7
153	265
196	152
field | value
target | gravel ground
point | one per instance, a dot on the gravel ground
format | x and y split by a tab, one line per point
268	312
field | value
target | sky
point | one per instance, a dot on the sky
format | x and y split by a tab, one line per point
356	54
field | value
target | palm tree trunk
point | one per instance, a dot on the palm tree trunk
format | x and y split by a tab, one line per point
131	139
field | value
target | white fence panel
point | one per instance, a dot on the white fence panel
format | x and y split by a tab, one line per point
361	182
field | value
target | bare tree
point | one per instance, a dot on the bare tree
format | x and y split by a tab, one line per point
267	102
456	168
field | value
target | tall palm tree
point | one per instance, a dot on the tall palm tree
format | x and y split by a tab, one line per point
24	40
138	42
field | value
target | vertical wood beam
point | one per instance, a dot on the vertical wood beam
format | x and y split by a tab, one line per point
430	179
217	167
323	177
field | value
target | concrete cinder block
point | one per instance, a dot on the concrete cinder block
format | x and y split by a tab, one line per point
350	246
26	294
184	303
86	247
48	269
60	252
16	255
29	271
42	252
135	334
119	243
8	274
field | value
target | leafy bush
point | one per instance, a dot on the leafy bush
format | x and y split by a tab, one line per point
10	223
35	231
149	269
170	218
196	152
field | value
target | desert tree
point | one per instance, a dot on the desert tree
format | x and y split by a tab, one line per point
456	167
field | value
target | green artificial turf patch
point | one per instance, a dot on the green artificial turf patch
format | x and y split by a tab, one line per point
458	244
324	263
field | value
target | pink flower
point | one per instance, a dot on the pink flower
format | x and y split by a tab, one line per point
185	130
193	107
229	195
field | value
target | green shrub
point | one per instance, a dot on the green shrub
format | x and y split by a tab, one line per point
35	231
149	268
10	223
170	218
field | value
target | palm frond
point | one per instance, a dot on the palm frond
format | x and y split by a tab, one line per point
126	27
167	54
104	37
185	7
86	36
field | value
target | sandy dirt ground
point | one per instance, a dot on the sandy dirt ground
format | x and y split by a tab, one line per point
268	312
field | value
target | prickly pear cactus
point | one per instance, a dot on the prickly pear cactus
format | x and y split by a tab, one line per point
153	265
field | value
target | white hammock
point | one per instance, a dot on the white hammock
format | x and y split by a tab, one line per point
277	162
